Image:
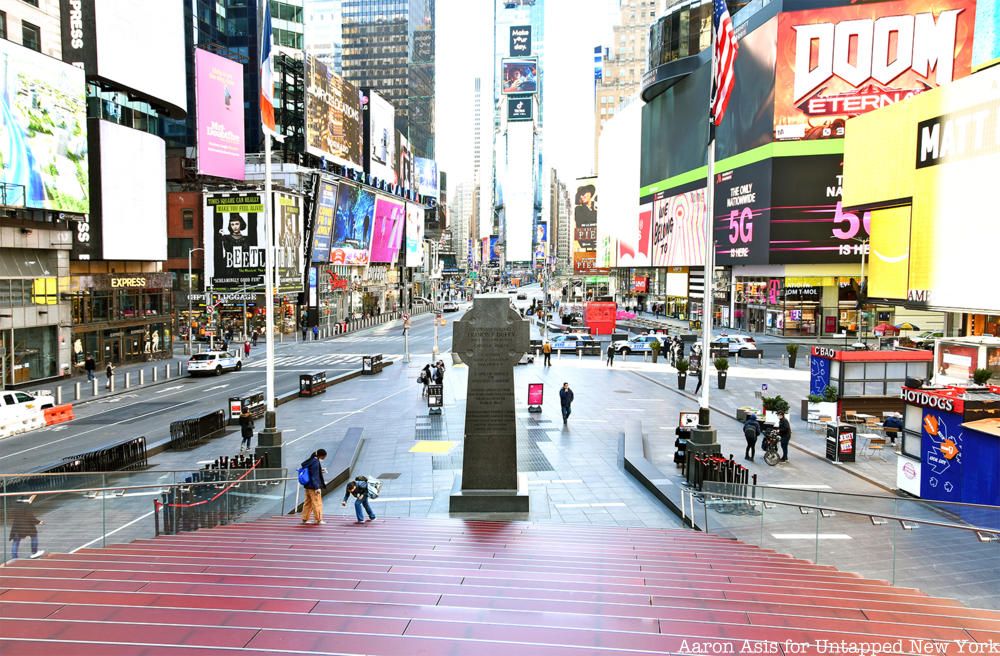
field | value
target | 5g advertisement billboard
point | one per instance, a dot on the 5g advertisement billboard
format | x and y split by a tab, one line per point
742	214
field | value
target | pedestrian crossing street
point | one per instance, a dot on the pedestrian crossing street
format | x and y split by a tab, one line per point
348	361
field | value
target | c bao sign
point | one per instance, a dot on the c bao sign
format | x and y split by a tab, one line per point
933	401
824	352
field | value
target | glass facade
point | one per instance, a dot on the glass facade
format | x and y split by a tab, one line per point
30	354
685	30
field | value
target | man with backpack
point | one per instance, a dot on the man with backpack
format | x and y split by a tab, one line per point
311	478
361	490
751	431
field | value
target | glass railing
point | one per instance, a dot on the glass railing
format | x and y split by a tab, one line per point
944	549
69	512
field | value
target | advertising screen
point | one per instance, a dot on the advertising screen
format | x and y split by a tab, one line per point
742	214
679	228
519	75
494	254
749	121
519	193
288	241
839	62
219	98
623	232
333	115
326	208
485	250
352	226
520	41
584	225
234	240
427	177
381	138
133	215
414	235
406	174
141	47
387	234
986	45
536	392
520	108
43	150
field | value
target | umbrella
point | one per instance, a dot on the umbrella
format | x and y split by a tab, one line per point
906	325
884	328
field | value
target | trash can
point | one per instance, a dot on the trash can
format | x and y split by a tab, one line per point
841	442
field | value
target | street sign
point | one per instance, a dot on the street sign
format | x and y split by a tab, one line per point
763	387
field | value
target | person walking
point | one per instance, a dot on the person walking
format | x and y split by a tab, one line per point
751	431
358	488
109	371
305	332
24	524
313	504
611	355
90	366
246	429
784	434
566	401
254	336
425	378
246	349
697	373
315	333
547	353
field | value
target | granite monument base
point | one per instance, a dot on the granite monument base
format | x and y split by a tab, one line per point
269	443
494	501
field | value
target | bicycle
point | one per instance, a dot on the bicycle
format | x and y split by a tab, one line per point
770	446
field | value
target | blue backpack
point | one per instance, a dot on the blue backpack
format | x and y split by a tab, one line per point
304	477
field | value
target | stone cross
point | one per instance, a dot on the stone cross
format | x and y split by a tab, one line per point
490	339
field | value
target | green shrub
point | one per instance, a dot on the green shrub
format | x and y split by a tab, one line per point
683	365
814	398
775	403
982	376
721	364
830	394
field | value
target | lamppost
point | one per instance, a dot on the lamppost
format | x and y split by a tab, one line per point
190	344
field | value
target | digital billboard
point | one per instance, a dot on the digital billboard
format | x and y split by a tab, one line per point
494	252
584	226
133	196
518	193
742	214
352	226
414	235
986	45
921	167
333	115
406	173
234	240
679	228
219	100
623	232
381	125
519	75
520	41
43	151
427	177
288	263
839	62
326	208
387	233
520	108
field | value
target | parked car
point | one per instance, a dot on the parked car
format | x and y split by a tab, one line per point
925	340
571	341
638	344
213	363
736	343
522	296
14	404
449	307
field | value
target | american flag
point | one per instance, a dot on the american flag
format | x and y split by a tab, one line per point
724	75
267	73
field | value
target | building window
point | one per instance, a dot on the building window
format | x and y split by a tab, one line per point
31	36
3	25
179	247
33	3
187	219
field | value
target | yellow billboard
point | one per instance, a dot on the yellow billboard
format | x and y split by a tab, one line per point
933	158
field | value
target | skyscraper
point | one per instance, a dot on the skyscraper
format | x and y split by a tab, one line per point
389	46
323	37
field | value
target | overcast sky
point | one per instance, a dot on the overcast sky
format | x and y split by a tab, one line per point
464	40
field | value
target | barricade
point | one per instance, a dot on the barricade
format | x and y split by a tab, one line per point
187	433
371	364
214	497
313	384
58	414
119	456
714	468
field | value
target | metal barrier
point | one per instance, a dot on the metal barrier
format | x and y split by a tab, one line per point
125	455
714	468
186	433
313	384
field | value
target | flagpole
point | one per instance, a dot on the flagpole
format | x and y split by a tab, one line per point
269	274
704	417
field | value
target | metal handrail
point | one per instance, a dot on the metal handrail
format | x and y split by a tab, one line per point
159	486
878	496
832	509
125	472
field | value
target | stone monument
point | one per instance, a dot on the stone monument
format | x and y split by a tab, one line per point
490	339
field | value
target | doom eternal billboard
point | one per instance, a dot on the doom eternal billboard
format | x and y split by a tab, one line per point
839	62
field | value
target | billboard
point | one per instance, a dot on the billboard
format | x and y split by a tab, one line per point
387	233
381	126
219	101
288	260
520	41
520	108
427	177
133	196
623	231
742	214
584	226
352	226
492	251
234	240
986	45
928	178
44	123
839	62
326	208
414	235
679	228
406	174
541	239
519	75
333	115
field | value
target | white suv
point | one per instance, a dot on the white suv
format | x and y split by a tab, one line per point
213	362
15	404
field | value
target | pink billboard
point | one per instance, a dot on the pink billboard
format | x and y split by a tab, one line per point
219	97
387	232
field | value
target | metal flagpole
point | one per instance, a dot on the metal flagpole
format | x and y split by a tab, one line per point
268	275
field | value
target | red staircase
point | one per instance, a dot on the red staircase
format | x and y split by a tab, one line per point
454	588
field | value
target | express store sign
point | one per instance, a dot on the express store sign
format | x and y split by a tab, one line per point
943	400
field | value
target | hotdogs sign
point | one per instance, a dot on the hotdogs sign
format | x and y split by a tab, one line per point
935	401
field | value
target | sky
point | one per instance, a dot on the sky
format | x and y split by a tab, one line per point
463	51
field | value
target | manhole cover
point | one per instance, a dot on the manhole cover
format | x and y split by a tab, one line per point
389	476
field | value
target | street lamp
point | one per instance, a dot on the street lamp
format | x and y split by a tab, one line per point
190	344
